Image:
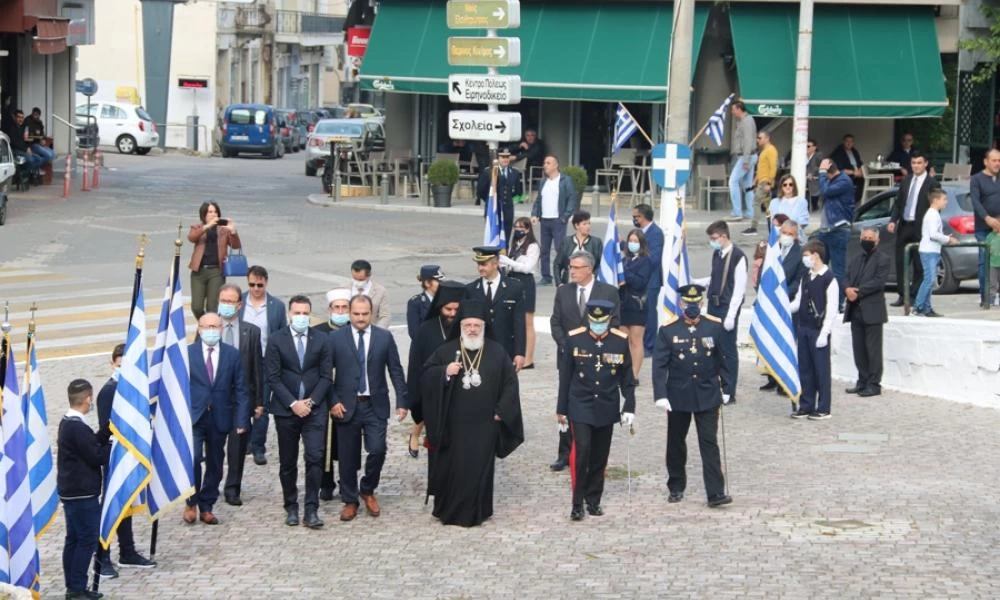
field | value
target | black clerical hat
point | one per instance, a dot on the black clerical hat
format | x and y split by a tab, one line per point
691	294
449	291
472	308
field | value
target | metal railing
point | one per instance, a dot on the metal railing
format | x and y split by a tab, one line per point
91	137
984	291
293	21
242	19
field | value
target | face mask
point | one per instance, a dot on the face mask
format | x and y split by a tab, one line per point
715	244
300	323
340	319
692	311
867	245
519	233
116	373
599	328
633	247
227	311
210	336
808	261
360	284
786	240
635	222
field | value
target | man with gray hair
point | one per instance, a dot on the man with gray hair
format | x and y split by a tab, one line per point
569	314
866	312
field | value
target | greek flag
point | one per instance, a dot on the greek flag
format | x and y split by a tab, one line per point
18	518
717	122
625	126
170	384
493	235
41	471
5	465
130	469
771	332
676	270
611	270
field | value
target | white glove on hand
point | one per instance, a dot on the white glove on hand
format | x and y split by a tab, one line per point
726	398
729	323
664	404
563	427
823	340
628	418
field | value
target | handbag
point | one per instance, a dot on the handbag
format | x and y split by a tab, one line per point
236	264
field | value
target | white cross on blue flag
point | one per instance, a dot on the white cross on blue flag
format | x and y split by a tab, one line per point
625	126
717	122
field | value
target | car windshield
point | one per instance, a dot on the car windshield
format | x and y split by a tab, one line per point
244	116
142	114
347	129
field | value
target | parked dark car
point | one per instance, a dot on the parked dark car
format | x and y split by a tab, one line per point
251	129
292	128
365	134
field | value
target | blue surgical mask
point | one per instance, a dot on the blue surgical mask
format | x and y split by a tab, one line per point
599	328
300	323
340	319
715	244
227	311
210	336
692	311
633	247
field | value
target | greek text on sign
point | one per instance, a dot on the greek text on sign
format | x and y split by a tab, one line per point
484	126
484	14
484	89
484	52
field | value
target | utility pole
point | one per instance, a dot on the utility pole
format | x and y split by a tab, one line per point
803	74
678	119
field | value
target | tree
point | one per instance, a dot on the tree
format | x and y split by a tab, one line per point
986	46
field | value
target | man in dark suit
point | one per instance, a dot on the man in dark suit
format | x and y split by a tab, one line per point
362	355
555	203
503	298
791	264
642	218
848	161
246	339
866	312
219	404
509	184
298	366
907	217
569	312
265	311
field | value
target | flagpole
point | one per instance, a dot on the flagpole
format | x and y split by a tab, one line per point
638	126
698	135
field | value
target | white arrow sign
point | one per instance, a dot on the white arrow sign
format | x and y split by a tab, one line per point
499	13
484	126
484	89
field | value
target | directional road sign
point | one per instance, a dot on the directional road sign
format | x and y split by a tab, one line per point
484	126
671	165
484	14
484	89
484	51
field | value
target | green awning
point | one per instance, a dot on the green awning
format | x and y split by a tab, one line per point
606	51
876	62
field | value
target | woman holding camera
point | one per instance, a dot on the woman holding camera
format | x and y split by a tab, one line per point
211	238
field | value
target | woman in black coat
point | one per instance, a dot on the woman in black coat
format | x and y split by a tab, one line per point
638	267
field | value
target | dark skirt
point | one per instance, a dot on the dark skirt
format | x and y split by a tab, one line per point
632	311
527	281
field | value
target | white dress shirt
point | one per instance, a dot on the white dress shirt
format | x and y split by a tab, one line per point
235	325
258	316
550	198
525	263
368	344
495	282
832	300
589	287
910	212
739	282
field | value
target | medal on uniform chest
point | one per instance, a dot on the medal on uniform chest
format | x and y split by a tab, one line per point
471	378
681	356
598	366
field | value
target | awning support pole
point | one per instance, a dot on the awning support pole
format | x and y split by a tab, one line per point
803	74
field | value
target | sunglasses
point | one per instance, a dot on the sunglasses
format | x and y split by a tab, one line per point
256	285
787	185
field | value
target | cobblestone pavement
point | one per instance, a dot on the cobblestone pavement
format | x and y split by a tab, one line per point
893	497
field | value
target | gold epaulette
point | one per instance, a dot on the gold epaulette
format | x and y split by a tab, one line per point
620	333
670	321
712	318
577	331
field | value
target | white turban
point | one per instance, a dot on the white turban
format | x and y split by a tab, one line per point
338	294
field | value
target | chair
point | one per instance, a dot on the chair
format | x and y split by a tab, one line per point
956	172
615	168
875	183
707	176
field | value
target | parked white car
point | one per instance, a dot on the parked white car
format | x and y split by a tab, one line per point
127	127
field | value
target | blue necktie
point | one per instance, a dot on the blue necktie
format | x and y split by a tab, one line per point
362	358
300	349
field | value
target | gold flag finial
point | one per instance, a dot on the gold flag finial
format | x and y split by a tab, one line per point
179	242
140	257
31	322
5	327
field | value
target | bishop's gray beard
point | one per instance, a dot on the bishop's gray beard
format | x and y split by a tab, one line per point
472	343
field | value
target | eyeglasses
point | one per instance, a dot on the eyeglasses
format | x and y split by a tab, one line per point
256	285
788	184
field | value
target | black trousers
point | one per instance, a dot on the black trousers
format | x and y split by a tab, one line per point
707	424
311	431
908	232
126	542
236	455
213	441
364	420
867	343
814	372
591	446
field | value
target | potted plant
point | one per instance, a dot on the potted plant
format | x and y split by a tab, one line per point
442	176
579	177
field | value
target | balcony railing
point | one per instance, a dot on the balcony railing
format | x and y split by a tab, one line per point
291	21
243	19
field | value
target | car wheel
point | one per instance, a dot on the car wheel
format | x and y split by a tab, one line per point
142	151
945	282
3	209
125	144
310	171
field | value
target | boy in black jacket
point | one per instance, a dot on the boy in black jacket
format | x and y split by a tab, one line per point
81	455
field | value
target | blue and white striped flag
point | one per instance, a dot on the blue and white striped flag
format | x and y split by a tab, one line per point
625	126
130	468
493	235
18	518
717	122
170	384
611	271
676	270
41	470
771	331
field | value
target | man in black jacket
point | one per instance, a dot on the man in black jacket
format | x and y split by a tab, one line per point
509	184
907	218
866	312
503	298
81	454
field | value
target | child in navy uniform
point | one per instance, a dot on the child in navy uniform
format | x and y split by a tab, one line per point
816	305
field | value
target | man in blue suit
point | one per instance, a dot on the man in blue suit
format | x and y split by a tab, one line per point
642	218
265	311
359	400
218	395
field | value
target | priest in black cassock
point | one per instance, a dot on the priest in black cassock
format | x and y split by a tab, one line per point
472	410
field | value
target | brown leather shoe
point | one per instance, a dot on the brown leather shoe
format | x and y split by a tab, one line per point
190	514
371	504
208	518
350	511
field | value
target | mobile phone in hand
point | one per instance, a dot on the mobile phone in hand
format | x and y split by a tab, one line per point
222	222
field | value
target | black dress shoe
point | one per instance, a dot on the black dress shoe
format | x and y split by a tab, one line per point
326	494
719	501
675	497
292	519
259	459
234	501
868	392
856	389
409	446
526	367
577	513
897	303
770	385
559	465
312	520
931	313
595	511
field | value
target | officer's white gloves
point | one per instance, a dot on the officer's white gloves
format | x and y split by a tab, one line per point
822	340
729	323
628	418
726	398
664	404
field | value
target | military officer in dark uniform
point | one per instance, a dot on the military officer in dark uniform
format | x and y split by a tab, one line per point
596	364
417	306
504	300
687	381
509	184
